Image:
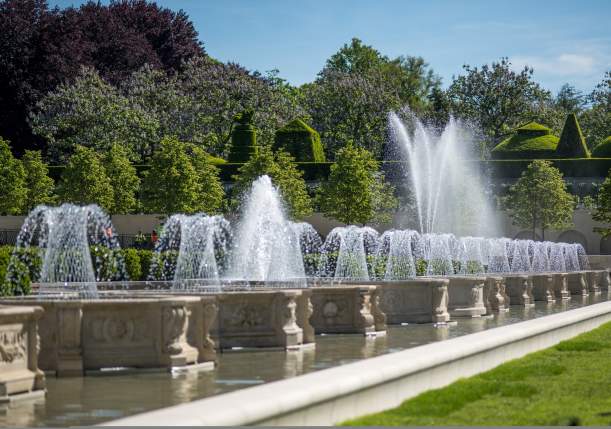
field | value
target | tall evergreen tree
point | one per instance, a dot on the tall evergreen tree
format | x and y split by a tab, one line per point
39	185
84	180
539	199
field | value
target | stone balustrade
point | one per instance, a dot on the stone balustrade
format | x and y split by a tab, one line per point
543	287
561	286
495	296
578	283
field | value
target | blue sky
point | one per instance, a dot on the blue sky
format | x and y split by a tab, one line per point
565	41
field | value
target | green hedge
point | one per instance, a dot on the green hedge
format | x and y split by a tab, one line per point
301	141
530	141
572	143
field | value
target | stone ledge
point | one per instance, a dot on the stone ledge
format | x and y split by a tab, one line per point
378	383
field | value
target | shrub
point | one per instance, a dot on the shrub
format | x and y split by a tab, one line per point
572	143
84	180
5	256
243	137
13	191
301	141
133	265
146	257
531	140
603	149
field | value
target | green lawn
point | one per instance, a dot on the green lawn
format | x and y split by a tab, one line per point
569	384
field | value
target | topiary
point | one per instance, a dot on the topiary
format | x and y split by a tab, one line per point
243	137
572	144
301	141
133	265
531	140
602	149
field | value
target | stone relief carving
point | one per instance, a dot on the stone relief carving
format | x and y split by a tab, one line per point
12	346
247	316
440	300
174	321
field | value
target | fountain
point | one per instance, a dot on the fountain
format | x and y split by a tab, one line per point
345	253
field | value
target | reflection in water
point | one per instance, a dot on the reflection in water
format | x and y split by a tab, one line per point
94	399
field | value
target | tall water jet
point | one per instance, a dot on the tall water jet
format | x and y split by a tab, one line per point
438	254
498	259
345	253
310	243
267	246
448	191
191	248
399	248
77	246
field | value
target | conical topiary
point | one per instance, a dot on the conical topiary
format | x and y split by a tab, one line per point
530	141
301	141
243	137
572	143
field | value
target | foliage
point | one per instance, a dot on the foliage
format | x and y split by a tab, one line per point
39	185
210	188
602	149
84	180
123	179
539	199
562	385
355	191
495	97
572	142
285	176
243	137
172	184
603	206
13	190
531	140
596	120
42	47
92	113
133	265
301	141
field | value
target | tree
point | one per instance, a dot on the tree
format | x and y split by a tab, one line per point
13	191
596	120
285	176
210	192
124	180
355	191
39	185
92	113
172	184
495	97
41	48
603	207
84	180
539	199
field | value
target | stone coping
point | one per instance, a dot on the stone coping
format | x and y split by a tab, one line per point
333	395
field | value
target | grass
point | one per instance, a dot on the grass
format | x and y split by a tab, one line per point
568	384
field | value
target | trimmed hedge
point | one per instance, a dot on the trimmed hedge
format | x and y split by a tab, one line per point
301	141
531	140
603	149
243	138
572	144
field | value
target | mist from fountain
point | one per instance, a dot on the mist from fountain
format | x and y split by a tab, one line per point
345	252
267	245
77	246
448	192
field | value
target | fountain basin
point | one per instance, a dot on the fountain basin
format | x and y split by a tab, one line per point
466	296
118	331
543	287
422	300
495	295
519	287
561	286
594	280
20	376
578	283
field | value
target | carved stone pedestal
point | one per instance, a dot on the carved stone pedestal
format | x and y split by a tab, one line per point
19	373
605	280
519	287
260	318
346	309
594	280
561	286
466	296
131	332
543	287
305	309
578	283
495	296
421	300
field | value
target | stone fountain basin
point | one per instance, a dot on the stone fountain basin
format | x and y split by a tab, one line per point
118	330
